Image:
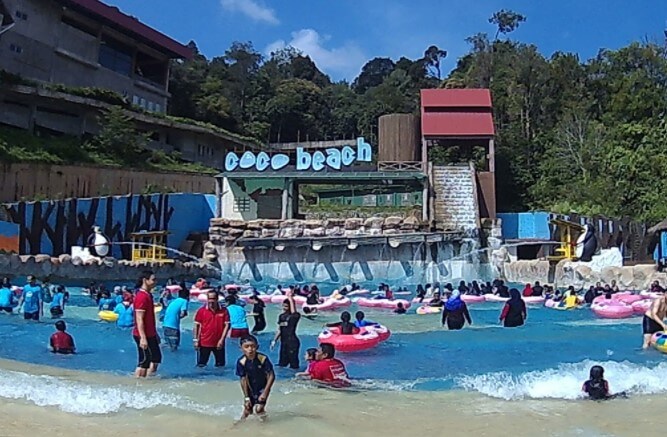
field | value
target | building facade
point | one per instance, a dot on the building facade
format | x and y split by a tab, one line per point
86	43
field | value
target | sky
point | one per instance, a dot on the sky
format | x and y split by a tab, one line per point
342	35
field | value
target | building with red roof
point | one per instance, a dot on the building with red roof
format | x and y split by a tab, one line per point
87	43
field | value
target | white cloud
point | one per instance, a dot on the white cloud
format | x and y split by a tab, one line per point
252	9
341	62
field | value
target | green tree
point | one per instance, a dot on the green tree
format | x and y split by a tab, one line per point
373	74
119	137
506	21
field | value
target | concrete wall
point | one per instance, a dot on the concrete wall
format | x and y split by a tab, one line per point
526	225
9	237
53	227
456	205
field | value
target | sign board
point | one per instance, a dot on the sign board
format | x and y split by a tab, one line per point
332	158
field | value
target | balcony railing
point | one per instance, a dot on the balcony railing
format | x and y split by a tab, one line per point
401	166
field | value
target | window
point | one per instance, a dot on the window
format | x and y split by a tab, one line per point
242	204
158	107
116	57
135	100
21	15
15	48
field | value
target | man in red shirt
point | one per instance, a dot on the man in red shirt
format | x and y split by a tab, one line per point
145	332
210	330
327	368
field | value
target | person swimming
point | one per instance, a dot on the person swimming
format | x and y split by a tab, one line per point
345	325
436	301
360	321
597	388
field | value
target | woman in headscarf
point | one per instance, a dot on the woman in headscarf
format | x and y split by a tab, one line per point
514	312
527	290
455	312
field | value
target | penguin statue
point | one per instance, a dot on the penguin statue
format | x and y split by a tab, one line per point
587	244
98	243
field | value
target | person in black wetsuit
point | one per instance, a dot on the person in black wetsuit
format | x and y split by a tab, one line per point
597	388
514	312
258	314
421	293
538	290
313	297
463	288
475	289
590	295
346	327
289	342
503	291
455	313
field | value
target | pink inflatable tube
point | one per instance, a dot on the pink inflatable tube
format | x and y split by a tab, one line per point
550	303
279	299
471	298
612	310
650	294
627	298
533	300
266	298
494	298
327	305
173	288
640	307
195	292
349	343
382	303
382	331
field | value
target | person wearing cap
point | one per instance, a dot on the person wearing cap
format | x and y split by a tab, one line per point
32	300
257	377
118	293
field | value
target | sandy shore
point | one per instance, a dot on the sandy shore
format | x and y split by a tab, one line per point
300	411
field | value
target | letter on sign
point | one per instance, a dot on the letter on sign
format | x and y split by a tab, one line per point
348	155
318	161
262	161
333	158
363	150
247	160
303	159
279	161
231	161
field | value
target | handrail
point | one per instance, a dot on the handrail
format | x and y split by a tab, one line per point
401	166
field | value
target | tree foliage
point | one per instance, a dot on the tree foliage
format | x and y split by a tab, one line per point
571	135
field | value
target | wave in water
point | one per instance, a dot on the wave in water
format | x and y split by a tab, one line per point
81	398
565	381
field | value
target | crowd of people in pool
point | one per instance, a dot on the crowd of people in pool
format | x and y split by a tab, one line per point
214	323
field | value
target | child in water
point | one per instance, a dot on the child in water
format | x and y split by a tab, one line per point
310	358
257	377
400	309
61	342
597	388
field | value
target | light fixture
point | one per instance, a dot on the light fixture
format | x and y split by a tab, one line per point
279	247
316	246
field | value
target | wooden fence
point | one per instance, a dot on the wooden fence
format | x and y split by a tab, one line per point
40	182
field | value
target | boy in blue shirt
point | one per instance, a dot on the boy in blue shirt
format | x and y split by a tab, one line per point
31	299
57	305
125	313
257	377
106	302
177	310
6	297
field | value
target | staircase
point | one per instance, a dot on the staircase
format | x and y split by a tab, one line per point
456	206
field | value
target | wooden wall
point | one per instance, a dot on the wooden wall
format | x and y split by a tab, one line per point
40	181
399	138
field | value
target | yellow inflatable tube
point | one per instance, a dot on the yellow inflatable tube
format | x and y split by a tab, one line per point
108	316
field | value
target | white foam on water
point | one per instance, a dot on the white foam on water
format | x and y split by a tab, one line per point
565	381
85	399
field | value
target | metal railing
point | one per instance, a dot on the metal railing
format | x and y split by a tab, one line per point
401	166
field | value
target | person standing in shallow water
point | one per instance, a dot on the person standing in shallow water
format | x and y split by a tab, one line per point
145	331
514	312
286	334
455	313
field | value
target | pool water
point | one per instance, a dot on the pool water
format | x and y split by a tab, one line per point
549	357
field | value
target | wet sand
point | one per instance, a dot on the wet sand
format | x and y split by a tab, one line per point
299	411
